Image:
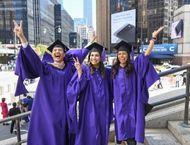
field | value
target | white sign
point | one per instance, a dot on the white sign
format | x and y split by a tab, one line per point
173	31
118	20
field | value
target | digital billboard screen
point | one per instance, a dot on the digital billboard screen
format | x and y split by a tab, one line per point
177	29
123	26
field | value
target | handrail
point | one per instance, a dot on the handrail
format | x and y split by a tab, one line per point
186	95
17	118
168	100
161	74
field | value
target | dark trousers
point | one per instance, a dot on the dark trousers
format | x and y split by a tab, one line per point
130	141
12	126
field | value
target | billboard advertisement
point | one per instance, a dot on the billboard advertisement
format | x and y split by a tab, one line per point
177	29
123	26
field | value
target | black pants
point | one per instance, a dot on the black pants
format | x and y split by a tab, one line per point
12	126
130	141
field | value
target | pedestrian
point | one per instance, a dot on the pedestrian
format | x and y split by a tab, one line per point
184	79
160	84
4	109
131	80
48	124
14	111
178	78
92	83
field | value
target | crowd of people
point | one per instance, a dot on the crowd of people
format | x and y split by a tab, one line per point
22	106
65	82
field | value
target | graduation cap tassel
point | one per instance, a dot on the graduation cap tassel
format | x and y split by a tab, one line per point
132	54
103	55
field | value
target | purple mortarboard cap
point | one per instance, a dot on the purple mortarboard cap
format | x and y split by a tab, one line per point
59	44
124	46
95	47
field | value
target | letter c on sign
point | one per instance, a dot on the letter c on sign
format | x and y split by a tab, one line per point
172	48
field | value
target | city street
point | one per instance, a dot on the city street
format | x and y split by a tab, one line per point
6	138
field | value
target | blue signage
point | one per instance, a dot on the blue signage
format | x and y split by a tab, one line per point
170	49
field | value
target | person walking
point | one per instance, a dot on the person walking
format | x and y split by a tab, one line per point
14	111
4	109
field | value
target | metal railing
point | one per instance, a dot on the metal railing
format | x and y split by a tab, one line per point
17	118
162	74
186	95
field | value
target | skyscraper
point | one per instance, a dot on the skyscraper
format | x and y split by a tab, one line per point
161	14
183	2
67	26
87	11
15	10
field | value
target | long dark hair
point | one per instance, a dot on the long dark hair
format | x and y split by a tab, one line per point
128	68
92	68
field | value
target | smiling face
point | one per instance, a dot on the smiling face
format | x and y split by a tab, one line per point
58	54
122	57
95	58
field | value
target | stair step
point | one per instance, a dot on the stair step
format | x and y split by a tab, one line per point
160	137
160	118
180	132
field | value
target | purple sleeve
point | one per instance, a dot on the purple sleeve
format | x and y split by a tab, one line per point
80	53
32	61
73	91
28	65
147	76
47	57
145	70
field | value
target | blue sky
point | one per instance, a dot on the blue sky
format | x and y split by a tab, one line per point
74	8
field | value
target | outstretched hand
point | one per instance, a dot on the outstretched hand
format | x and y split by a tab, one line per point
156	32
93	39
151	44
18	30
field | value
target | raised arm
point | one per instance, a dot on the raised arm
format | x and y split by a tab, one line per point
28	64
74	89
151	43
27	56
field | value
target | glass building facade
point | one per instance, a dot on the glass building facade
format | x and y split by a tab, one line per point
37	16
121	5
46	21
151	14
183	2
67	26
13	10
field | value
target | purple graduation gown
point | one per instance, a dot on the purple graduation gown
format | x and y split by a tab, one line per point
95	107
130	97
48	125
